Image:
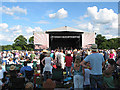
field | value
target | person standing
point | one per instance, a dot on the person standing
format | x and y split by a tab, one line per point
41	58
68	60
78	78
111	55
61	59
32	55
96	61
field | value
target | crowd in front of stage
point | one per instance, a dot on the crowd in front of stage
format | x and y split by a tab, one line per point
89	68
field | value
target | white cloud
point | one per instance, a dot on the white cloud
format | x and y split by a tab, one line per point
82	17
114	24
30	30
86	26
103	21
6	30
42	22
38	29
6	38
17	29
13	10
20	18
90	26
3	26
61	13
2	37
92	11
103	16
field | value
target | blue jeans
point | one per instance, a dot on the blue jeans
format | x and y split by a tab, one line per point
68	69
96	81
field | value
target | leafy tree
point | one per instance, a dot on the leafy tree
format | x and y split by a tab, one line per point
103	43
20	41
31	43
18	48
99	40
7	47
31	40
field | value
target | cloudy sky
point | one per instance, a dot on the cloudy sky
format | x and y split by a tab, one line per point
25	17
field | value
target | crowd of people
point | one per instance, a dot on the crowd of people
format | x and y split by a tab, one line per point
87	68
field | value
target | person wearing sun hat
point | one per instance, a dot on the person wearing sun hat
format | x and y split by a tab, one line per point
12	67
12	71
96	61
41	58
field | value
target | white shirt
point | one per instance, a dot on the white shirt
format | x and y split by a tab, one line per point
48	60
87	77
1	73
56	54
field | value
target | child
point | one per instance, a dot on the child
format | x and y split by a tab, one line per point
108	79
87	76
78	74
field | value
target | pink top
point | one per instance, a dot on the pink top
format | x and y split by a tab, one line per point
111	55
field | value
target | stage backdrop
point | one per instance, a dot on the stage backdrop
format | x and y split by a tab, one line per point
88	38
41	40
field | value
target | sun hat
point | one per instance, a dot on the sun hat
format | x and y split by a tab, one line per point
74	50
94	47
12	67
48	53
45	50
119	48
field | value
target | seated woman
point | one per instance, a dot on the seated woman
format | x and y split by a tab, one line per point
25	68
108	79
57	73
12	71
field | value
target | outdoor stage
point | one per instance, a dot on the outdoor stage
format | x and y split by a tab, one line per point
63	37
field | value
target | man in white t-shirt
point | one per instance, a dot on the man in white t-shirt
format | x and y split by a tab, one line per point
56	53
60	57
96	61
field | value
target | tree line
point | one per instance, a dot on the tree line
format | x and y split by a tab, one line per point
20	43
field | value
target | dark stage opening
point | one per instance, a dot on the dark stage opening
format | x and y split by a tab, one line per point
65	43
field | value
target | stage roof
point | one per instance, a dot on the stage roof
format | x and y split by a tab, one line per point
64	29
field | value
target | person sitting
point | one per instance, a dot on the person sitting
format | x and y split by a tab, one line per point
12	71
108	79
23	69
57	73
